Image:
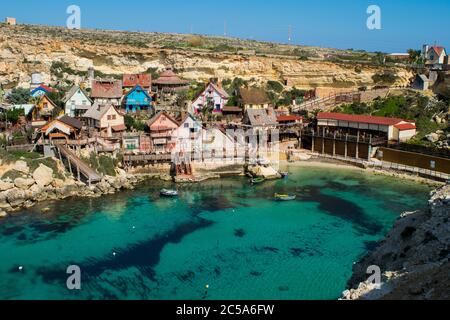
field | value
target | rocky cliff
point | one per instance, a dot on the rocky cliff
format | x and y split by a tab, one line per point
414	257
25	49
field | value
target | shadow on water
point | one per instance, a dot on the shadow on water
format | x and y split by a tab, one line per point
143	256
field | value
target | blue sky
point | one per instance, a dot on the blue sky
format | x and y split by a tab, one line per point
329	23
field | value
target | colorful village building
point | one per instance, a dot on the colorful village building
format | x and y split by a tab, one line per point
188	137
390	129
162	127
10	21
64	128
169	82
105	118
76	102
143	80
138	99
136	142
213	97
289	119
434	55
43	112
217	146
253	98
107	92
41	90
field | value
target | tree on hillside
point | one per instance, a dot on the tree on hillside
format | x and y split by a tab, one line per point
415	56
19	96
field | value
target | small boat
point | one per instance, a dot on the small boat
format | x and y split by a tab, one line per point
258	180
284	174
285	197
169	193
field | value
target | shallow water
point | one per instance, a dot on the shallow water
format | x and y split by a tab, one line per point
224	233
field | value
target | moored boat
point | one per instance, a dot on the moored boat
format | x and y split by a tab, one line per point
258	180
285	197
284	174
168	193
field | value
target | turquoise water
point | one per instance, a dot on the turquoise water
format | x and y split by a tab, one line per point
227	234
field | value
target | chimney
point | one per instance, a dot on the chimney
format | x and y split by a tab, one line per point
91	73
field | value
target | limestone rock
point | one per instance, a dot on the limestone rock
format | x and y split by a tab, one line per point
43	175
21	166
16	197
433	137
58	183
5	185
23	183
3	214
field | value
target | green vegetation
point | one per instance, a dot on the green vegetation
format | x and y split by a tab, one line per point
19	96
275	86
12	116
287	97
103	164
59	68
33	160
386	78
132	123
415	56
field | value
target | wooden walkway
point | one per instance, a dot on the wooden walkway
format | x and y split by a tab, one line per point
385	165
80	166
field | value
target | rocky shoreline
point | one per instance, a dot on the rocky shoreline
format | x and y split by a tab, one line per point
41	185
44	184
414	258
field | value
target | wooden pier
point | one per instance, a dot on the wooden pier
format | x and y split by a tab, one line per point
77	166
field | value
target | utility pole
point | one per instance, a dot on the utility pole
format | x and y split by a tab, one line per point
290	34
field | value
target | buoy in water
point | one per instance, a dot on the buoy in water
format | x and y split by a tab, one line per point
114	254
207	286
20	268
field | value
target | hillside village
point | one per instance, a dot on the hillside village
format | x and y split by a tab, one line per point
160	117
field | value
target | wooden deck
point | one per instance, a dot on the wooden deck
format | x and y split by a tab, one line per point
80	166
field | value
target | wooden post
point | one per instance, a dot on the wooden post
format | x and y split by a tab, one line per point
357	146
313	142
370	148
323	140
346	146
334	144
70	165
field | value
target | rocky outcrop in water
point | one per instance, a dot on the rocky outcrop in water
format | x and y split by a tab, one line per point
414	257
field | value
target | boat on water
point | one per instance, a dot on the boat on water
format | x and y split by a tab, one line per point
258	180
285	197
169	193
284	174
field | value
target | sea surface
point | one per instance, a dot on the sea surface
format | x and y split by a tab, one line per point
221	239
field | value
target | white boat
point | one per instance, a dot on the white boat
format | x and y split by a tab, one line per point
169	193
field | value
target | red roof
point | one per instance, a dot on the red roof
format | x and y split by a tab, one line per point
132	80
405	126
45	88
169	77
106	89
360	118
289	118
438	49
